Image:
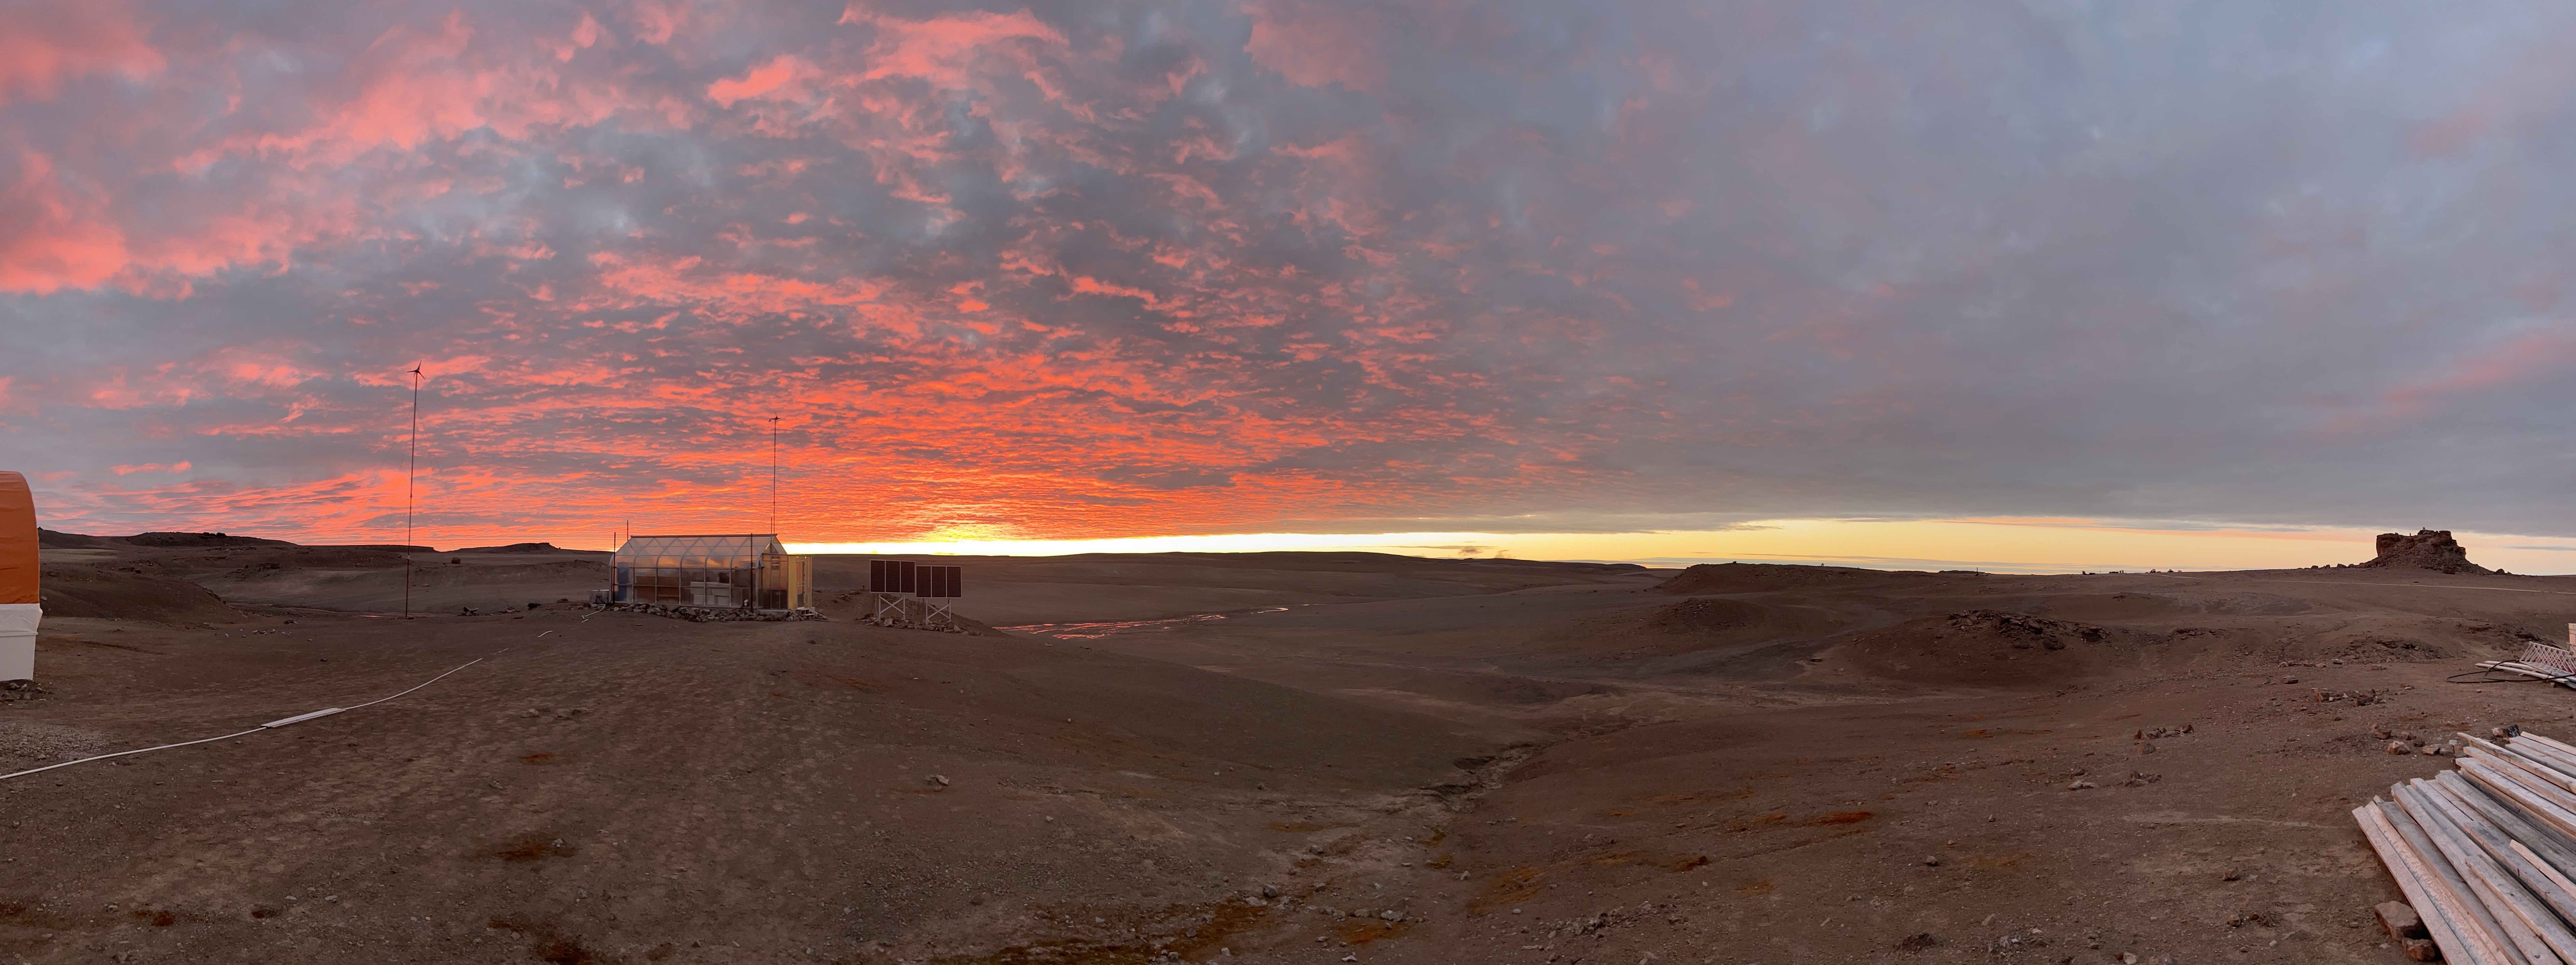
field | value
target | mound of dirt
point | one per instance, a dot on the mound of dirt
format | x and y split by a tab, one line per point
2023	628
2430	549
1706	616
1987	648
125	593
1755	577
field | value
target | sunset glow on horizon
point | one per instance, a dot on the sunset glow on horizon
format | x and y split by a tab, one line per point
1929	284
1990	545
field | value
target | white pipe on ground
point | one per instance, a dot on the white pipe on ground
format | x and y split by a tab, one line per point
281	722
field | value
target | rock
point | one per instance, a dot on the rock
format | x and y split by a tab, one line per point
1270	891
2432	750
2146	748
2015	942
2232	875
2430	549
2128	958
937	779
2422	950
2082	786
2380	731
2400	920
1932	861
1391	915
1916	942
2399	747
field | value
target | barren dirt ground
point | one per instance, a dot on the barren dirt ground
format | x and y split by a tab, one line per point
1364	759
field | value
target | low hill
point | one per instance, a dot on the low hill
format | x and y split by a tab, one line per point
124	593
518	548
1707	578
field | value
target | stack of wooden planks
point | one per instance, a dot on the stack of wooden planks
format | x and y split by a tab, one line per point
2484	853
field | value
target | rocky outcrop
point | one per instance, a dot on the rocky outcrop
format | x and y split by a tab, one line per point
2431	549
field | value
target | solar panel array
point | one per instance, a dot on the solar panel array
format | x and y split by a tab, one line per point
892	576
919	579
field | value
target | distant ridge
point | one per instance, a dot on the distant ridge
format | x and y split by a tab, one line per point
51	539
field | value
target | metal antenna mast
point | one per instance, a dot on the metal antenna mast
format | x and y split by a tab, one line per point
773	475
411	484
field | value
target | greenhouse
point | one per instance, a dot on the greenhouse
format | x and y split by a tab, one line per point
751	572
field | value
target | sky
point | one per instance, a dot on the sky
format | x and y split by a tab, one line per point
2043	284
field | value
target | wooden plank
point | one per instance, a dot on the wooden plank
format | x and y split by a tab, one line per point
2533	895
2560	747
2558	760
2520	796
2480	922
2510	905
2555	767
2555	877
2528	670
2524	790
2558	848
2547	774
2453	931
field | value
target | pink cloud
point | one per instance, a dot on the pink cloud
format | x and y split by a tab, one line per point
942	49
1317	44
175	467
784	76
43	44
51	238
2512	360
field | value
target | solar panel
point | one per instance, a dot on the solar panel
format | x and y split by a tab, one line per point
943	582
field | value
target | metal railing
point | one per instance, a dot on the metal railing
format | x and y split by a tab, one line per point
2554	658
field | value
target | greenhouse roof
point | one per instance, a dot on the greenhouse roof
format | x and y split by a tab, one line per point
748	546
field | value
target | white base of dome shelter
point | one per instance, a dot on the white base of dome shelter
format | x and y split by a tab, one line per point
18	640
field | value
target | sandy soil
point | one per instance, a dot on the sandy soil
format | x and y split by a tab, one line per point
1284	759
